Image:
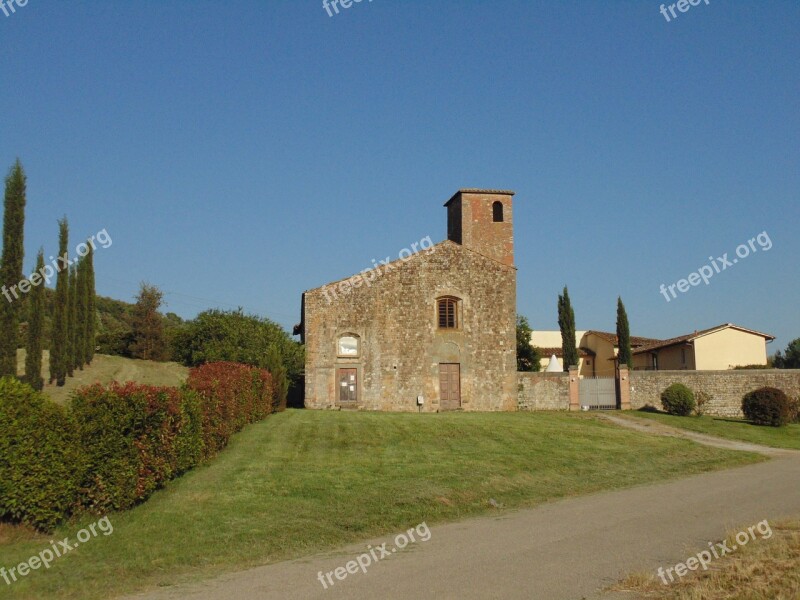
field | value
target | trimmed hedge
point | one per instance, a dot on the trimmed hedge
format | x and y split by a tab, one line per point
117	444
233	395
767	406
40	457
678	399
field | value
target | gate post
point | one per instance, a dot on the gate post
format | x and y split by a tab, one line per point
624	387
574	389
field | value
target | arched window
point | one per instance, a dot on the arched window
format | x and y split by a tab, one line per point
448	313
348	345
497	212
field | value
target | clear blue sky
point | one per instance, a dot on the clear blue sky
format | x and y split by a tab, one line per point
239	153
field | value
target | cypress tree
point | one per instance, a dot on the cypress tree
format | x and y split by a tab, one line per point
89	291
35	343
11	267
625	354
566	323
72	306
80	316
58	338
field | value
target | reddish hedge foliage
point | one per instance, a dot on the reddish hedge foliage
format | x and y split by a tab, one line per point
232	395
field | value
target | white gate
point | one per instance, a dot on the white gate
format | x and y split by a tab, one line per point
598	393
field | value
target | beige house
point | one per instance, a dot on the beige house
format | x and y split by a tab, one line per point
597	350
719	348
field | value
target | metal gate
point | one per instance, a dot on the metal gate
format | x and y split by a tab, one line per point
598	393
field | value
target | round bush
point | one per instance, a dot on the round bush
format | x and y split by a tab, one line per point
767	406
678	399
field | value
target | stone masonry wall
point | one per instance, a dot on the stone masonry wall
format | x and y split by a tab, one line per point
542	391
725	387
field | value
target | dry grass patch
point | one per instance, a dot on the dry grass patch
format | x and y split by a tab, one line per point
764	569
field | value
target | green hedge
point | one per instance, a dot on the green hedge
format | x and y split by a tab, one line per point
678	399
117	444
40	457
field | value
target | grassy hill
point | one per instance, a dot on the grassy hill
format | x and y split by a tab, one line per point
105	369
306	481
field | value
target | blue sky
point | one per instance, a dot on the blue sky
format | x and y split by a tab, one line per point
238	153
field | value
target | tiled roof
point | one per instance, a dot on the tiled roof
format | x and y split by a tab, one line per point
612	337
681	339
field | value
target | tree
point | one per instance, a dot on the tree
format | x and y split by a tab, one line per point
791	358
58	337
80	315
625	355
566	323
91	301
35	343
149	341
280	382
528	357
72	324
11	267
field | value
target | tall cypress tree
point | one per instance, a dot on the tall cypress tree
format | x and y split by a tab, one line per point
89	291
72	306
35	343
11	267
80	317
625	354
58	338
566	323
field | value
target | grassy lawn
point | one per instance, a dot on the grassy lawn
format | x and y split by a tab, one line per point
305	481
764	569
731	429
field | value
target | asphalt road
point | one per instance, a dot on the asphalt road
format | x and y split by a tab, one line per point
567	549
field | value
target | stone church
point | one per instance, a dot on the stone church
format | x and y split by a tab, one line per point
433	331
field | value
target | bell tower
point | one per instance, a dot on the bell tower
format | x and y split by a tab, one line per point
482	220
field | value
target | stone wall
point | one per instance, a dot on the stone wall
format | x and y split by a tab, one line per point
542	391
725	387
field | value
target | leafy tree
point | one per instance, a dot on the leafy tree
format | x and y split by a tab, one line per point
274	364
528	357
35	343
566	323
58	337
791	358
216	335
91	301
625	355
11	267
149	341
72	317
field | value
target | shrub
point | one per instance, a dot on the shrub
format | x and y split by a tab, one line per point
794	411
678	399
767	406
135	438
231	396
40	465
702	399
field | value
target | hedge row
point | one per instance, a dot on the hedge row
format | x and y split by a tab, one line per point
117	444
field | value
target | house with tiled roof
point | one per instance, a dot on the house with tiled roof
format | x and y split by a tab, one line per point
718	348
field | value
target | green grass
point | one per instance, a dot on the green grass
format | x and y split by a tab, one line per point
306	481
731	429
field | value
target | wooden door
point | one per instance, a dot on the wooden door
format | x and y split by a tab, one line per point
347	382
449	386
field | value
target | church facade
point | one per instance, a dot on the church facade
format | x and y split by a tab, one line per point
436	331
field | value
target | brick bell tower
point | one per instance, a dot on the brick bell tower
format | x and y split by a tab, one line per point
482	220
